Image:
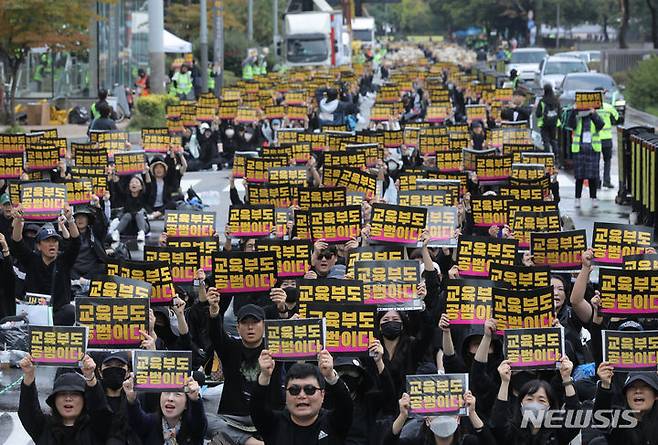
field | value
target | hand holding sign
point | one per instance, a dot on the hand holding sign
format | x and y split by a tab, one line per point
266	364
148	341
565	368
505	371
129	389
405	404
213	301
192	389
605	372
28	369
88	370
278	297
587	258
326	364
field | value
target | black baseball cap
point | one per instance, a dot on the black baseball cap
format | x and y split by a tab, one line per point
251	310
118	355
650	378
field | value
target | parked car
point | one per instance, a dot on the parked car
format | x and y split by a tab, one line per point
589	82
585	56
553	69
526	62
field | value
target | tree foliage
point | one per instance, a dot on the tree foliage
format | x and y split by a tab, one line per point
27	24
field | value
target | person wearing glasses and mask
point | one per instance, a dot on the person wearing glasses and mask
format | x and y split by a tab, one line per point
303	421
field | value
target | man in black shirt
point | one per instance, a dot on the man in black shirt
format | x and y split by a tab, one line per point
239	358
303	422
48	272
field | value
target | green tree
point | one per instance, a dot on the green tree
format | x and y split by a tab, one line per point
28	24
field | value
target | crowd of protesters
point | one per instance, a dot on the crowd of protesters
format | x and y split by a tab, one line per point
335	399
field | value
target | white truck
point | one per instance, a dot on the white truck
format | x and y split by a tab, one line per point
316	38
363	30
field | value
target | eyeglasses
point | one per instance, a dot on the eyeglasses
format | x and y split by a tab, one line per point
327	256
295	390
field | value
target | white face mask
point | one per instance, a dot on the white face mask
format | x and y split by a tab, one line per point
229	132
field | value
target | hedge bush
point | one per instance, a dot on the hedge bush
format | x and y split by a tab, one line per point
149	111
642	87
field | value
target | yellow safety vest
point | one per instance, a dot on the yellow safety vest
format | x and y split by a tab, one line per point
607	113
596	137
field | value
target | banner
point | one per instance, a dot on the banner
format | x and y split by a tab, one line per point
183	262
523	193
293	256
113	322
206	245
374	253
251	221
156	273
358	181
476	253
279	195
257	169
315	198
351	159
517	309
300	152
493	168
442	223
240	162
647	261
335	225
12	143
106	286
112	141
489	211
292	340
437	395
531	206
158	143
391	284
534	349
612	242
525	223
79	191
129	163
476	113
189	224
468	301
97	176
528	171
449	161
41	157
11	166
559	250
350	328
516	149
520	277
410	178
433	144
630	350
42	201
545	159
628	292
58	345
425	198
288	175
157	371
242	272
397	224
588	100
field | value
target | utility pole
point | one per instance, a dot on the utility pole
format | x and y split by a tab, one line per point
156	45
275	27
557	21
203	38
218	45
250	20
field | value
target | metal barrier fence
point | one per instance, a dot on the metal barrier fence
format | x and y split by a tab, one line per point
637	156
617	60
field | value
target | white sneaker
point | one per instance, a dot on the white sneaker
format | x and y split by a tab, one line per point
595	203
115	236
141	236
577	203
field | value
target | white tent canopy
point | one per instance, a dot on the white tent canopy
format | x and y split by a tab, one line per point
174	44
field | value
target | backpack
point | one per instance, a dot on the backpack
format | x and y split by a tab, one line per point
550	115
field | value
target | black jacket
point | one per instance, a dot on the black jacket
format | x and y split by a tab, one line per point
149	426
91	428
8	288
277	428
53	279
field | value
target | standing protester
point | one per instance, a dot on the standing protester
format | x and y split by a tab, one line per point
47	271
586	149
548	114
610	117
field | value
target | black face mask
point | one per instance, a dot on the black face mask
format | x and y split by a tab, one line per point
351	382
391	329
292	294
113	377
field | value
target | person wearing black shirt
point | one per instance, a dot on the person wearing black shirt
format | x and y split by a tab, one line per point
303	421
104	122
48	272
239	359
